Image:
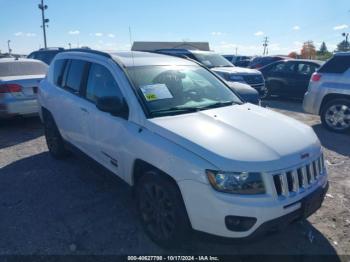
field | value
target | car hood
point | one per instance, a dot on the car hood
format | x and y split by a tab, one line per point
235	70
246	92
240	137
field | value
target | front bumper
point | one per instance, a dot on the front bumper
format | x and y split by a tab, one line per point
207	209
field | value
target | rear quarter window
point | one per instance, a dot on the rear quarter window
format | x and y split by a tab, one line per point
336	65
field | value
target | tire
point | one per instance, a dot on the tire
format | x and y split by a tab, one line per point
161	210
265	93
53	138
335	115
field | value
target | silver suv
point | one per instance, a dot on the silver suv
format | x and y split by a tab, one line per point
328	94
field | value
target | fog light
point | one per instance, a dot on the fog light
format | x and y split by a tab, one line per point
239	224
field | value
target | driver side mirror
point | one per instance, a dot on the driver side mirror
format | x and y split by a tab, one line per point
113	105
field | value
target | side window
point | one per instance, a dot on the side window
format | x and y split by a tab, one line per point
58	71
336	65
75	75
278	68
101	83
306	69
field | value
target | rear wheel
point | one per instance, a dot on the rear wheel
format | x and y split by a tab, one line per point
161	209
53	137
335	115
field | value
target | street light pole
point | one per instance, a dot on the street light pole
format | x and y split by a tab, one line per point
43	7
8	46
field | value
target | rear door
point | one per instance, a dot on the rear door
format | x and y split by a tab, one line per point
69	114
304	71
280	77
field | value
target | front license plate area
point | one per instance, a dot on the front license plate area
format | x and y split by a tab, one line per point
312	203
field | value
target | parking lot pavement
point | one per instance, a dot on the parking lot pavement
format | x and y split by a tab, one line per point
74	207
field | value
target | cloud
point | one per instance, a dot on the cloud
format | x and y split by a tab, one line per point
98	34
216	33
340	27
74	32
259	33
296	28
24	34
111	35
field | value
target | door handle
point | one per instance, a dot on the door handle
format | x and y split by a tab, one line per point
84	110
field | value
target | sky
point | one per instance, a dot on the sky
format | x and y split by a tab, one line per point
225	24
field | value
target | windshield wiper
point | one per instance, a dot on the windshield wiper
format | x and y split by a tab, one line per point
219	104
177	110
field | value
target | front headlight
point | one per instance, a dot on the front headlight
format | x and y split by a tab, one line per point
236	183
236	78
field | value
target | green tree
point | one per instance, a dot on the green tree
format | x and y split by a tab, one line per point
323	49
343	46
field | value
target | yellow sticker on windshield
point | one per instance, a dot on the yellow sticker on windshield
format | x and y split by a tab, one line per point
156	92
150	97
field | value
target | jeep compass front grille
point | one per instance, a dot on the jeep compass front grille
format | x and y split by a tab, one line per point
299	179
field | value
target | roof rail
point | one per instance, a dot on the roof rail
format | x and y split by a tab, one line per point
51	48
90	51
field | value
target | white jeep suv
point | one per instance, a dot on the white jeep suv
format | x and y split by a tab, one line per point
197	157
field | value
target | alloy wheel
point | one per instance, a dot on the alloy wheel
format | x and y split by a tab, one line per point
157	211
338	117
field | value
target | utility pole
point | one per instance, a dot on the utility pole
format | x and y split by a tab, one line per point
70	45
265	45
43	7
236	51
8	46
346	35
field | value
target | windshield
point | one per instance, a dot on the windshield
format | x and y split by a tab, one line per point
169	90
211	60
21	68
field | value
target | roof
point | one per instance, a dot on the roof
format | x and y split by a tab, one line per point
134	58
342	54
305	60
152	46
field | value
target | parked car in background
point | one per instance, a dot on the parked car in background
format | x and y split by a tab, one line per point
288	78
45	54
261	61
246	92
19	81
240	61
328	94
218	64
196	156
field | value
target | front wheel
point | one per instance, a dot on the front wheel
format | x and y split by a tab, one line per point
161	210
335	115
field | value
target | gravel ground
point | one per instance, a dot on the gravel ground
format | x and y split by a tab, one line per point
74	207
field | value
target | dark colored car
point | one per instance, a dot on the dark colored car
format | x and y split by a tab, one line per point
45	54
227	71
241	61
261	61
289	77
